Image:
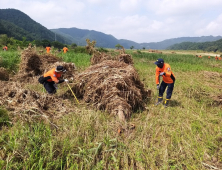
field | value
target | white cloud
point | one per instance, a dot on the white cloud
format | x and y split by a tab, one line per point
136	20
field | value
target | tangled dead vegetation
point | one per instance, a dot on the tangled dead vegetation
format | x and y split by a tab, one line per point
18	98
33	65
28	104
98	57
4	75
111	85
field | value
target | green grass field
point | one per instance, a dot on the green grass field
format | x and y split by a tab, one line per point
186	135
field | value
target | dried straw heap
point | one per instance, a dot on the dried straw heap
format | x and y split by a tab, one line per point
18	96
112	85
33	65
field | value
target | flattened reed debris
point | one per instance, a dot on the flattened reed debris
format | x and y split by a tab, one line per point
112	86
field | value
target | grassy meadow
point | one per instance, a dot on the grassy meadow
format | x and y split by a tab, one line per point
186	135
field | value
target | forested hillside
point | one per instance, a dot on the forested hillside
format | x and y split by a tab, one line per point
205	46
17	24
79	36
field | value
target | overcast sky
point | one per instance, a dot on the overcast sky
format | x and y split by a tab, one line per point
136	20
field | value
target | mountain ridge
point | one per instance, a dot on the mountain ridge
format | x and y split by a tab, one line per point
17	24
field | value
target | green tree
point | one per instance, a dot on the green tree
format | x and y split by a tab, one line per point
73	45
118	46
132	47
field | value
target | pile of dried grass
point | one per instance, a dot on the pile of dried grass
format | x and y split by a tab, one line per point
33	65
98	57
4	75
29	104
112	86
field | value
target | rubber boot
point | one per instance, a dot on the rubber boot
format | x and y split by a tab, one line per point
166	103
160	100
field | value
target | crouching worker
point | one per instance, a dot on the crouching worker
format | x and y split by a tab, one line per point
52	78
164	70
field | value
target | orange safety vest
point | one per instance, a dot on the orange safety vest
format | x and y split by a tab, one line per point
209	57
219	58
47	49
168	77
65	49
216	57
54	75
200	56
5	48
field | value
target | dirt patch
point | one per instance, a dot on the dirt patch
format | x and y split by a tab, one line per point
211	75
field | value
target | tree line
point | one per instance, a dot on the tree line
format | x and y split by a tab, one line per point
213	46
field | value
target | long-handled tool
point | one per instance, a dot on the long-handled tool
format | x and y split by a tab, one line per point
72	92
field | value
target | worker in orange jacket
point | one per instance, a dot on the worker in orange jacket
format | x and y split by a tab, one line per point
164	70
5	48
52	78
208	57
216	58
219	58
48	48
65	49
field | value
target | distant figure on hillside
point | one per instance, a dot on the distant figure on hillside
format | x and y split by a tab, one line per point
65	49
200	56
216	58
208	57
219	58
164	70
5	48
52	78
48	48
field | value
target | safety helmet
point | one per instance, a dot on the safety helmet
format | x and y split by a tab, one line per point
60	69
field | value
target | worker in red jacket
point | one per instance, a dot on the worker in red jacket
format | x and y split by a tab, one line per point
164	70
52	78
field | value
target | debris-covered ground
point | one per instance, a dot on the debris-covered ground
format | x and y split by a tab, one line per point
111	84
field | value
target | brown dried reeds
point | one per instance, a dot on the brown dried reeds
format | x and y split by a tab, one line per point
112	86
33	64
4	75
28	104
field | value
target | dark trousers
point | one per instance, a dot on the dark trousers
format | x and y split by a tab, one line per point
169	89
49	86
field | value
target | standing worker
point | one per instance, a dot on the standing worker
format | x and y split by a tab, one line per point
219	58
52	78
216	58
48	48
164	70
208	57
65	49
5	48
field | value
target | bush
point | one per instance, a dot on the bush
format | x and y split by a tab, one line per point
101	49
4	118
80	49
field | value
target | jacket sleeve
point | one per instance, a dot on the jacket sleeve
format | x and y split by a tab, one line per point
157	76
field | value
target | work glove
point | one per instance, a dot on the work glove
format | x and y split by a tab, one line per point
66	80
162	73
157	86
